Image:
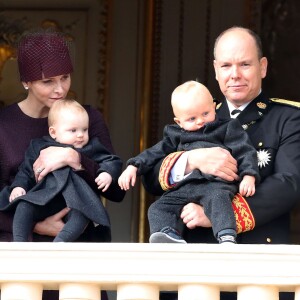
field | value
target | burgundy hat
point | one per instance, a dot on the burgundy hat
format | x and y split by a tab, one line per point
43	53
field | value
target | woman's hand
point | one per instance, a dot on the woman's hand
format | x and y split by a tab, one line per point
52	225
193	216
215	161
53	158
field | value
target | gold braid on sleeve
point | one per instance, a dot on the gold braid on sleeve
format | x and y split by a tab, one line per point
165	169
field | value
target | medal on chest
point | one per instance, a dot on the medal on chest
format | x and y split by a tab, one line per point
263	157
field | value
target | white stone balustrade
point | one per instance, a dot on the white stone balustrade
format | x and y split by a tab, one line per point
140	271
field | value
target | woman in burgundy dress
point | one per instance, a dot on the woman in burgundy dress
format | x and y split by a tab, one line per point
45	68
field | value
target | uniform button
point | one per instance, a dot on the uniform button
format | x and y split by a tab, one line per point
260	144
269	240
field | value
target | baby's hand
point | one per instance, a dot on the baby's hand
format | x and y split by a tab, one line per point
127	178
16	192
103	181
247	186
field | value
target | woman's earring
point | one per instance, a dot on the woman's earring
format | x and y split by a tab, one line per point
26	87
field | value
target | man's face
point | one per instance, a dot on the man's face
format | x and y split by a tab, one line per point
238	69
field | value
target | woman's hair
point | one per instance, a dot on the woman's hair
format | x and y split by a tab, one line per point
43	54
59	106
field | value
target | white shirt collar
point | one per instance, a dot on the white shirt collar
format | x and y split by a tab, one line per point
232	107
241	108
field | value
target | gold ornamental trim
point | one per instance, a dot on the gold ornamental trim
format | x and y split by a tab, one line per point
286	102
244	218
165	169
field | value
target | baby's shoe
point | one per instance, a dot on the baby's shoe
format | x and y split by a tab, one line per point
227	239
167	235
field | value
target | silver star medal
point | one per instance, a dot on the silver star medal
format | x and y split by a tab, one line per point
263	157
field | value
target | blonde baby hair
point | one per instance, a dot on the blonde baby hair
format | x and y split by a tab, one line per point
63	104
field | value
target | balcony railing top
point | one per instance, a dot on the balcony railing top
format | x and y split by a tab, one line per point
165	265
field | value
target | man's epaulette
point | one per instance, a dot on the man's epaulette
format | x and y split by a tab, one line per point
286	102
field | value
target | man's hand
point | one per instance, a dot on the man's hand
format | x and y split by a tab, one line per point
53	158
215	161
52	225
193	216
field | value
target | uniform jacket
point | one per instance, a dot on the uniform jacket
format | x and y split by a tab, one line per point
76	192
274	129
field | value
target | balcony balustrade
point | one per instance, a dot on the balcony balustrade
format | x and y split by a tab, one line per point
137	271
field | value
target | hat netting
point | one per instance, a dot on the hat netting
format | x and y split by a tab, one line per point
43	55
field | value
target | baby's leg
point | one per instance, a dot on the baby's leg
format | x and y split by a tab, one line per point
164	218
73	228
216	200
23	222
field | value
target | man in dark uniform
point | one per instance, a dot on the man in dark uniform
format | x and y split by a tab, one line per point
273	126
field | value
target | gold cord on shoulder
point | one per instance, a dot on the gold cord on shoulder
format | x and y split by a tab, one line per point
287	102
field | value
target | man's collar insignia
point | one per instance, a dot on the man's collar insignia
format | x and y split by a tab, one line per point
261	105
263	157
219	105
246	126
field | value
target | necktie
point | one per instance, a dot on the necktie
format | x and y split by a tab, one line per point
235	111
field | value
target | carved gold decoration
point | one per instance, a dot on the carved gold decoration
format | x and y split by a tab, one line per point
6	52
145	117
10	30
